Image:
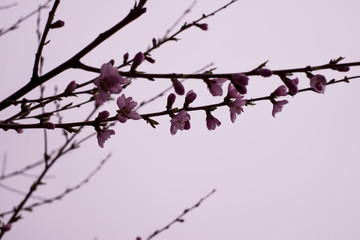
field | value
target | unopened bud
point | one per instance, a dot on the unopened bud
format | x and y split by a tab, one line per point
170	101
49	125
71	87
264	72
138	59
189	98
178	87
203	26
150	59
126	57
57	24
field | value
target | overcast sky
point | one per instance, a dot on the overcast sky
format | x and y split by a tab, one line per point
295	176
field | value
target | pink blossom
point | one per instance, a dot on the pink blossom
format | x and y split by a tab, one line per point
232	92
215	86
189	98
264	72
181	121
211	121
178	87
240	81
102	116
280	91
108	82
236	107
103	135
318	83
291	84
126	106
277	106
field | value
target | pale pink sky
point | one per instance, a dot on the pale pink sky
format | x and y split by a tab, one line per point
295	176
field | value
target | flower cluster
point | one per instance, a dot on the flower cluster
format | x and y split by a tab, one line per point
125	112
111	82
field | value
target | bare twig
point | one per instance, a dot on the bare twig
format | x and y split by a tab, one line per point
66	192
17	191
180	217
21	171
8	6
176	23
3	168
22	19
67	147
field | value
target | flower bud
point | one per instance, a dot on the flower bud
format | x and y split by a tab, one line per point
6	227
71	87
264	72
178	87
203	26
280	91
19	130
189	98
57	24
49	125
126	57
170	101
341	69
138	59
150	59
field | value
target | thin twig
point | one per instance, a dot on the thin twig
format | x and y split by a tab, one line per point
21	171
180	217
66	192
38	54
176	23
22	19
8	6
3	168
17	191
67	147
